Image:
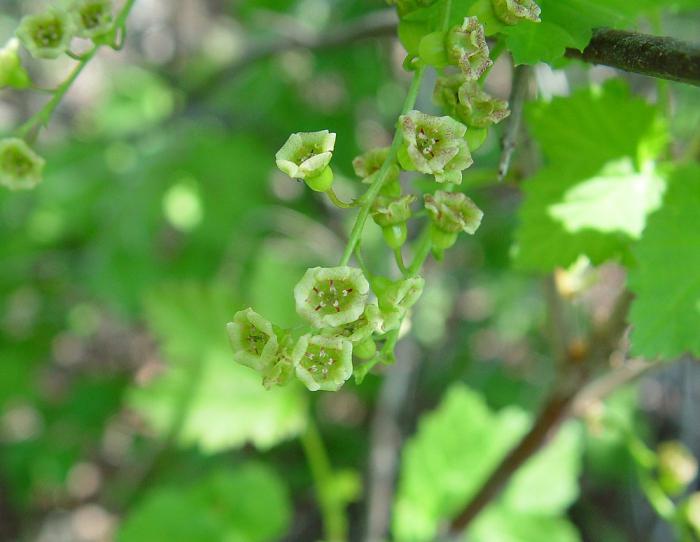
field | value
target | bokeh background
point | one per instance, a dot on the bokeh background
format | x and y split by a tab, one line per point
161	214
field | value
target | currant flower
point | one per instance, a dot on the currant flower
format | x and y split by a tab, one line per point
20	167
364	327
46	35
93	18
253	340
451	213
513	11
367	166
466	47
360	332
391	214
331	296
395	298
434	145
280	370
322	363
465	100
306	156
12	74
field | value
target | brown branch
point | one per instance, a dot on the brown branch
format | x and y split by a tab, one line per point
575	373
654	56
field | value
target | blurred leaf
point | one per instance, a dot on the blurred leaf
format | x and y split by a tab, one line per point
601	183
205	398
501	524
666	312
456	448
245	504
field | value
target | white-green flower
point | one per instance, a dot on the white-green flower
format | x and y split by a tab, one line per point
466	47
435	145
453	212
47	34
93	18
513	11
306	155
322	363
467	102
253	340
12	74
368	164
331	296
20	167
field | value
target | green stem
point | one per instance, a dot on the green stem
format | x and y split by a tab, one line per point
446	16
43	116
373	191
335	200
334	519
398	256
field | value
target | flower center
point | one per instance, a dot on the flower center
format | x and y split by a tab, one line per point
255	341
49	34
16	163
320	360
426	142
332	296
92	16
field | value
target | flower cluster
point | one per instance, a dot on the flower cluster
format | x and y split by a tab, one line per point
48	34
467	102
335	302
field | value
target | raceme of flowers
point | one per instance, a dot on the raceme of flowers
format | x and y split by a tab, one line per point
347	310
45	35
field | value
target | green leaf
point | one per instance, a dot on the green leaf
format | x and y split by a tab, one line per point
246	504
205	398
666	312
455	450
596	125
565	24
501	524
600	183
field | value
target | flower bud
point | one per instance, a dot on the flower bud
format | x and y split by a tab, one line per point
12	74
391	214
369	163
20	167
466	47
513	11
434	145
396	298
93	18
253	340
46	35
322	363
676	467
453	212
331	296
464	100
306	156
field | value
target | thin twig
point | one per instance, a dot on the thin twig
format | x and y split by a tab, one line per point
601	344
518	95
